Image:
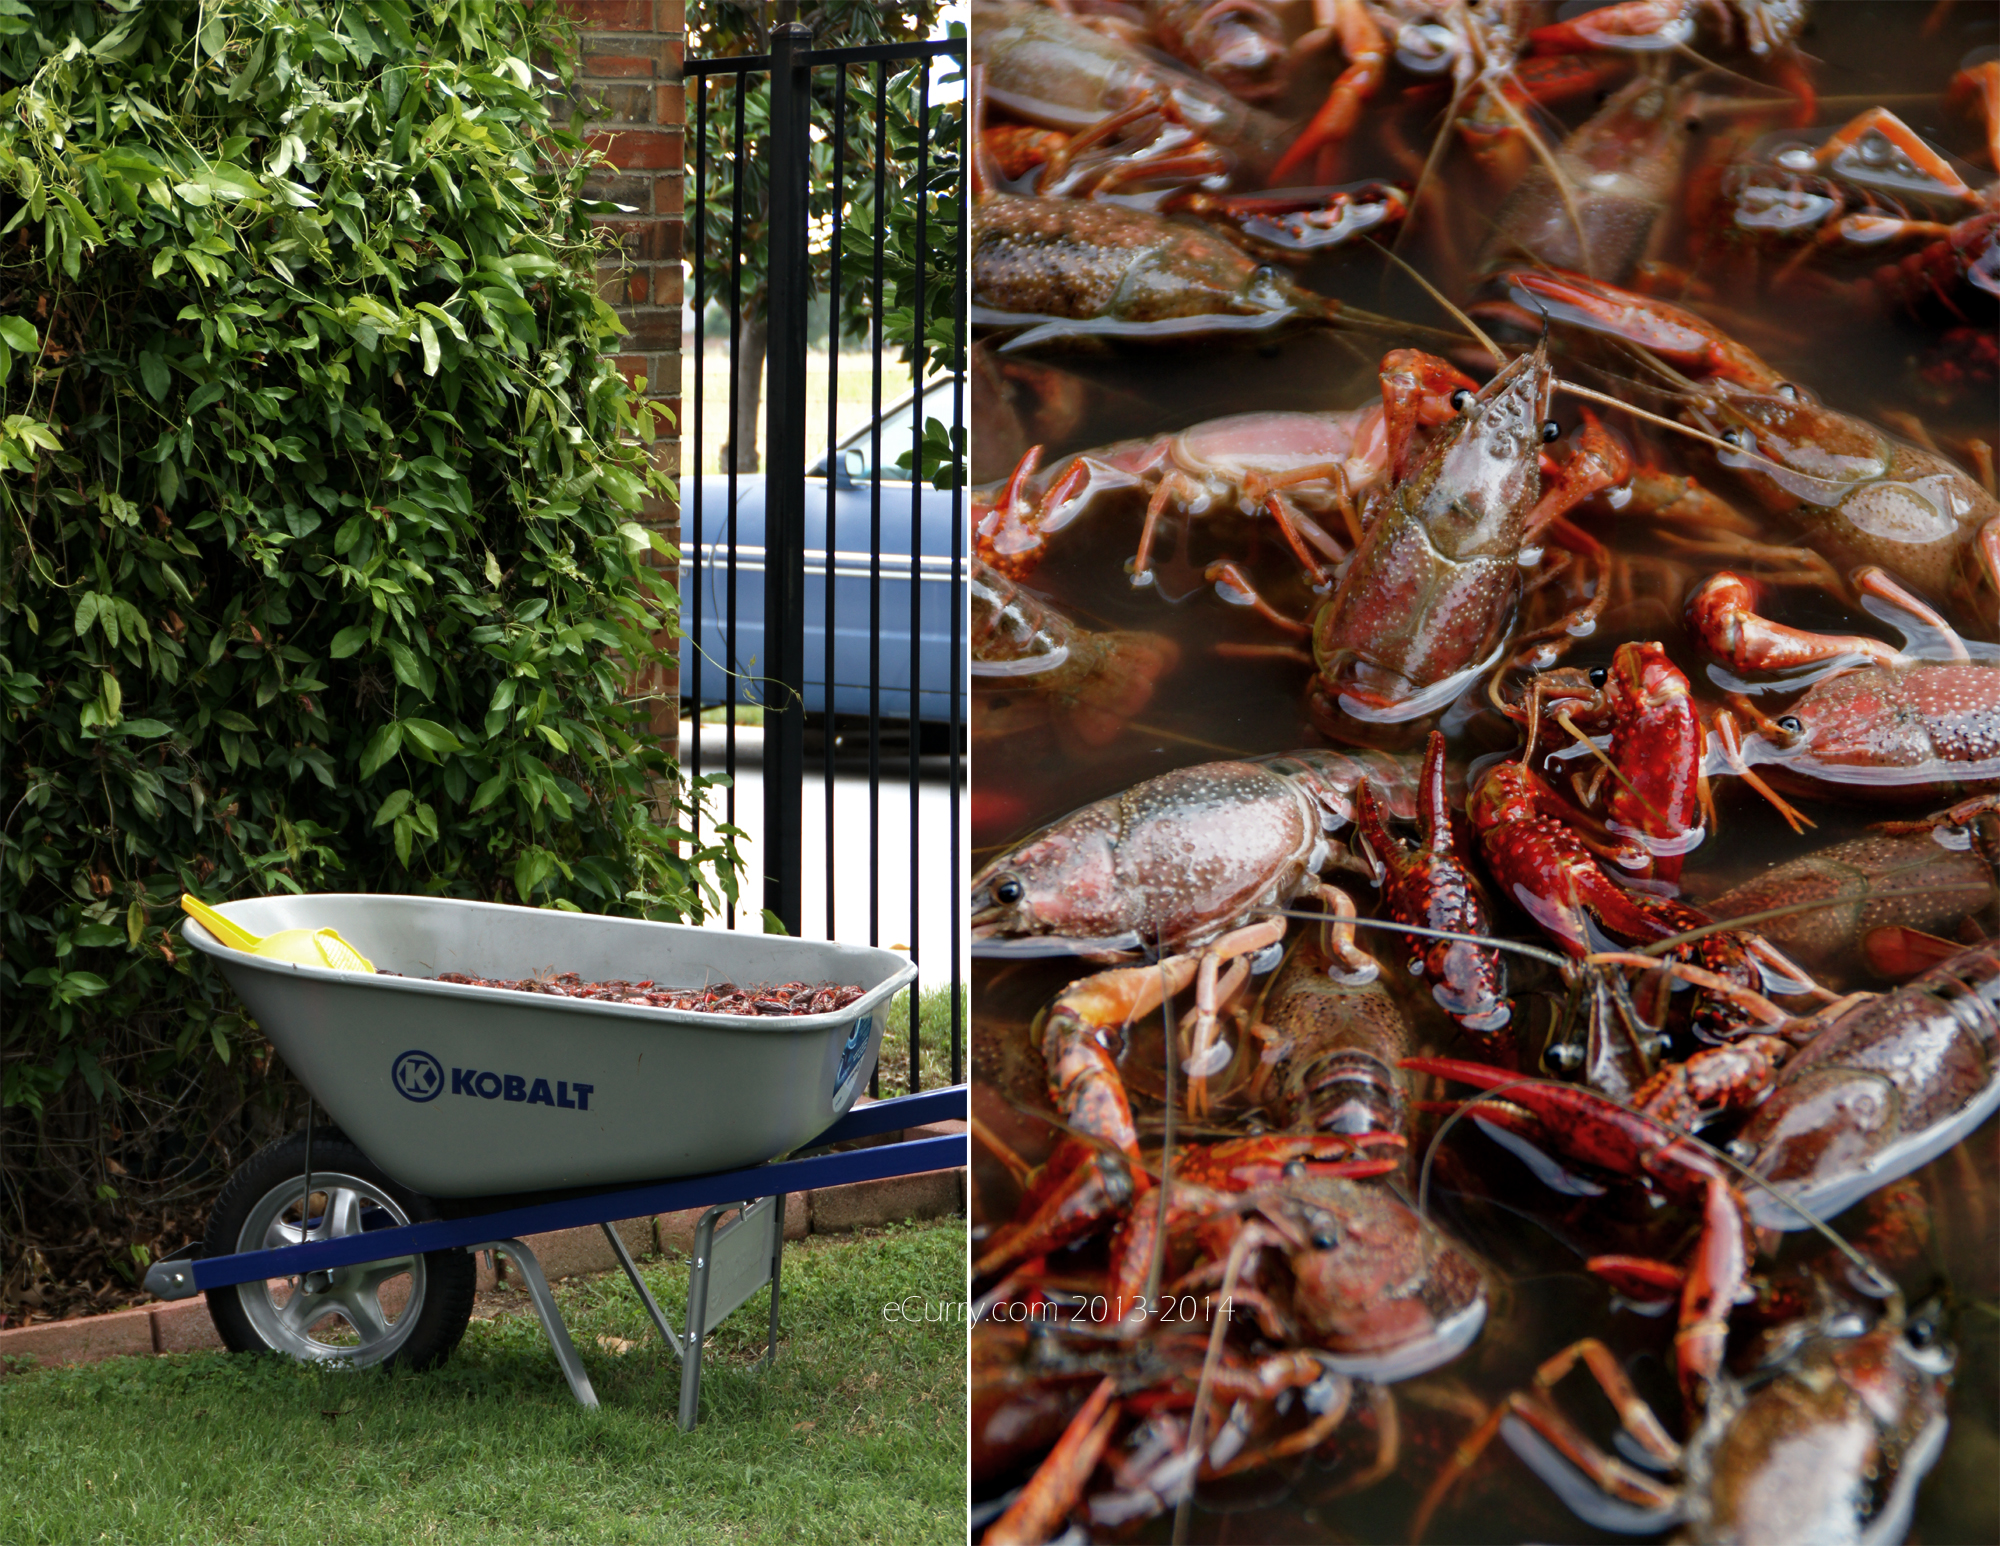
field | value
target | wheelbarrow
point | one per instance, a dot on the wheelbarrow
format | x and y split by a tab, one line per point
466	1118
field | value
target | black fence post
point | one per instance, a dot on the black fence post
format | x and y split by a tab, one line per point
785	479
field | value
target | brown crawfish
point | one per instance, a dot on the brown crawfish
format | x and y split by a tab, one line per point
1430	596
1035	667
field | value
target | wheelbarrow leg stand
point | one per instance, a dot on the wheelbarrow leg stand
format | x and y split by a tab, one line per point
639	1285
740	1279
552	1321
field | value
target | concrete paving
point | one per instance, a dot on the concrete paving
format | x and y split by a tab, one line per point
895	923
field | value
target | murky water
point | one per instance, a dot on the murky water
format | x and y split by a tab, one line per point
1862	359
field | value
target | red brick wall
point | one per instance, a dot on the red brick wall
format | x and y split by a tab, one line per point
628	102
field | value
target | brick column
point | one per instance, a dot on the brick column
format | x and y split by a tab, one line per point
628	100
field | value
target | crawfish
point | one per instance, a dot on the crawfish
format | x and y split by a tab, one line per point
1429	598
1888	726
1330	1046
1594	205
1883	881
1034	1389
1655	802
1588	1128
1295	466
1056	73
1077	273
1826	1441
1885	1087
1037	667
1862	497
1540	862
1433	888
1187	860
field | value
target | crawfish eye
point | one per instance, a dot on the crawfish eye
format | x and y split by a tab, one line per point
1732	437
1599	676
1791	724
1325	1237
1460	399
1787	391
1921	1334
1295	1168
1008	891
1550	429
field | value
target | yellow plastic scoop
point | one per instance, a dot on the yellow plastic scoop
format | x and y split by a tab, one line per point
306	947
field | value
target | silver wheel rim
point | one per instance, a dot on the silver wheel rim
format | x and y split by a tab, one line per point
354	1315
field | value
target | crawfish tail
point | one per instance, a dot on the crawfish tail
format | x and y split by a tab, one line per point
1884	1089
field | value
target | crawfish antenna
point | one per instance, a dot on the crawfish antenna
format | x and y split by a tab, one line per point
1439	296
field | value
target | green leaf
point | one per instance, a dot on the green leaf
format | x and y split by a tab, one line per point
488	792
146	729
431	736
382	745
135	924
427	336
86	612
392	807
404	662
19	333
348	641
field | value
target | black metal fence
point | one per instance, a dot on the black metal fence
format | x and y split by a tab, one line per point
816	156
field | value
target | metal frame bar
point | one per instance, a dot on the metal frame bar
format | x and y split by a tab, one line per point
182	1279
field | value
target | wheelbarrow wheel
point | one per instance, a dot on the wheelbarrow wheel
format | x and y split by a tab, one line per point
408	1310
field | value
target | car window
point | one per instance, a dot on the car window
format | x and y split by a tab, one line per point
895	441
895	435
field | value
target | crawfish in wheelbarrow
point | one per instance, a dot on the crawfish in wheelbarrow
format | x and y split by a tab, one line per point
1503	878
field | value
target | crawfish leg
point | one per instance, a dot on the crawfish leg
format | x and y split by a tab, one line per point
1533	1407
1210	993
1077	1189
1367	52
1055	1487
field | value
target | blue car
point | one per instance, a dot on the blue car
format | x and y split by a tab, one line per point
708	651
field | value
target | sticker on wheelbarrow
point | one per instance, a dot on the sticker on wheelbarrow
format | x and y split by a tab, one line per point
850	1055
417	1076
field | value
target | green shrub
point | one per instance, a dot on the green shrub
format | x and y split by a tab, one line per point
321	569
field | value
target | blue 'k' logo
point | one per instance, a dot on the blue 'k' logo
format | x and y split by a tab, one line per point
417	1076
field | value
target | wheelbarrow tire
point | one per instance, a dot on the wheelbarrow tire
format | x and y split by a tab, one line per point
362	1325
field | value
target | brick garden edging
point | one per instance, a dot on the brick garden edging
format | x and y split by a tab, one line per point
184	1326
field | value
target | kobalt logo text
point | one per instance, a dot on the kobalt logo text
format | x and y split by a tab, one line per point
419	1077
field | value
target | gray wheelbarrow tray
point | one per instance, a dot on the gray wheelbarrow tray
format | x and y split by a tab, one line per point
460	1091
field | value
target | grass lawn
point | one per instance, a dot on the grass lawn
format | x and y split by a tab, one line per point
933	1038
856	1434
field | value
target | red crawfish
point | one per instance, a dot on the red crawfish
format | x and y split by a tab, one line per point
1542	864
1649	790
1769	29
1860	496
1583	1126
1431	887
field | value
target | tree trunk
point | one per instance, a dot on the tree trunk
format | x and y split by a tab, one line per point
751	337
